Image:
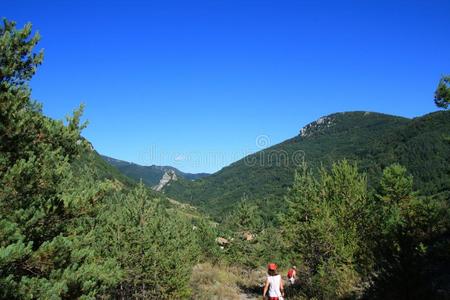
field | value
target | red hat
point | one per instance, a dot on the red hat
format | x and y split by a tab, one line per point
272	266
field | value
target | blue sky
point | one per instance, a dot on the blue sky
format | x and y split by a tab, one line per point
193	84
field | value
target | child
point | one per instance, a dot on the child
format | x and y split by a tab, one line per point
274	284
292	274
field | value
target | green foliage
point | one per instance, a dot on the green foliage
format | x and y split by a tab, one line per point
352	243
411	239
18	62
252	243
245	218
155	250
373	140
206	233
396	195
41	247
103	170
242	227
442	94
325	229
61	234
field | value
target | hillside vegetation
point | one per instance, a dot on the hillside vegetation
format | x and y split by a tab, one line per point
150	175
373	140
103	170
72	226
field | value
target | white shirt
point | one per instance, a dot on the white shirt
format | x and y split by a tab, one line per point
274	285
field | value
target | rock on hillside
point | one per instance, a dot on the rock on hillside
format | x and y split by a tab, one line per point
168	177
316	126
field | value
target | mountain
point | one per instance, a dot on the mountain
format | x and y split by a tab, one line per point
150	175
373	140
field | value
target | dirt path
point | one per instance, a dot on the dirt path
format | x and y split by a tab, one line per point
249	294
245	296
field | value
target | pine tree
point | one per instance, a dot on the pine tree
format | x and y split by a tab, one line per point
244	225
442	94
39	251
245	218
411	235
156	250
324	229
206	233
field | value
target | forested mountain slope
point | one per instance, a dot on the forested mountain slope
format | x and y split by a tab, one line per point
101	169
150	175
373	140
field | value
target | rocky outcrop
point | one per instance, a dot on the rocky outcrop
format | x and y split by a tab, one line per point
168	177
248	236
222	242
316	126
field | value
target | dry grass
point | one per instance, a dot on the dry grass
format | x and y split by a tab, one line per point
214	282
222	282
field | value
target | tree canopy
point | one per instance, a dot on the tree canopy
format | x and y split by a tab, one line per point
41	246
442	94
65	231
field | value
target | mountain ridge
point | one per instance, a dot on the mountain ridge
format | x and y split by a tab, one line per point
373	140
150	175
